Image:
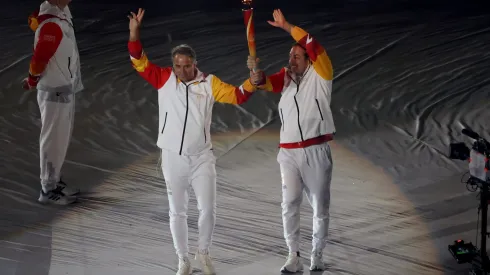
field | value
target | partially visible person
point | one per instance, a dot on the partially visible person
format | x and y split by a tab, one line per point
307	125
54	71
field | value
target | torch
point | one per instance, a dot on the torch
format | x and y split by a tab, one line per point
249	24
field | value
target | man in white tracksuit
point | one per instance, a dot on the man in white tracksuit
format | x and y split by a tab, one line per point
307	126
185	98
55	71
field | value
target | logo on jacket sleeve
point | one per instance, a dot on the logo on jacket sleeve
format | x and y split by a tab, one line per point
308	39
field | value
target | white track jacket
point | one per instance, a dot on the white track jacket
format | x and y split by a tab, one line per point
56	60
304	107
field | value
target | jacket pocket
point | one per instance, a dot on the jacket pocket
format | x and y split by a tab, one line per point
164	122
69	65
282	119
319	109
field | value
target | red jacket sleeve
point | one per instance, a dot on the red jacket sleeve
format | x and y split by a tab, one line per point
273	83
155	75
50	36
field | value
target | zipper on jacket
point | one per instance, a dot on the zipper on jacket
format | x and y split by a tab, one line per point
205	137
69	64
186	114
164	122
319	110
282	118
297	108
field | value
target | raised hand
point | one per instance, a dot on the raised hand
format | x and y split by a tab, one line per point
136	19
280	21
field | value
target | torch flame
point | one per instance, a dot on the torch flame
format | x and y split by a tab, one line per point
247	2
250	30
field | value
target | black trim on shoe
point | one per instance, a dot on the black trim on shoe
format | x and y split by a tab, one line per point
59	190
55	196
283	270
61	185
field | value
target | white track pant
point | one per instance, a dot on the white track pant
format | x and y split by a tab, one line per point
309	170
57	117
181	173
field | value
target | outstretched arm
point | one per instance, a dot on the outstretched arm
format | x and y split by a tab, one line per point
155	75
227	93
317	54
273	83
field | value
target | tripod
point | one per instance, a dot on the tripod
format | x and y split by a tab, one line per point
478	158
480	262
467	252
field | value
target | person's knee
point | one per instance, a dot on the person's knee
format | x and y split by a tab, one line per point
291	206
178	206
180	214
321	210
207	203
208	210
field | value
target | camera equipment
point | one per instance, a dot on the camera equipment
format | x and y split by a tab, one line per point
479	165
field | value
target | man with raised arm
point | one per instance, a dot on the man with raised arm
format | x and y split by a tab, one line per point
307	125
185	98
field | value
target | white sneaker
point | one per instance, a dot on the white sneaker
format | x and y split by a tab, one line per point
184	266
206	262
61	185
56	196
317	263
293	263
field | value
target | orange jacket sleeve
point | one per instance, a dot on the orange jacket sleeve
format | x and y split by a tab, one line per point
155	75
317	54
227	93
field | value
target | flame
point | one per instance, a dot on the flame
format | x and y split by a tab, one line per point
247	2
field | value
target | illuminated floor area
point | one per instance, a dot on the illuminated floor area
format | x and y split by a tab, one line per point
122	228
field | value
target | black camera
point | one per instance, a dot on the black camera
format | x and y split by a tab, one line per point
479	169
459	151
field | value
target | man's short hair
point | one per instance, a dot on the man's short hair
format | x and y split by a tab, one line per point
184	49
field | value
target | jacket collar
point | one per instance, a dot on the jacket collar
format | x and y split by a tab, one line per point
47	11
200	77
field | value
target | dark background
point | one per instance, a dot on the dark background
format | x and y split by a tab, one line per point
349	6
